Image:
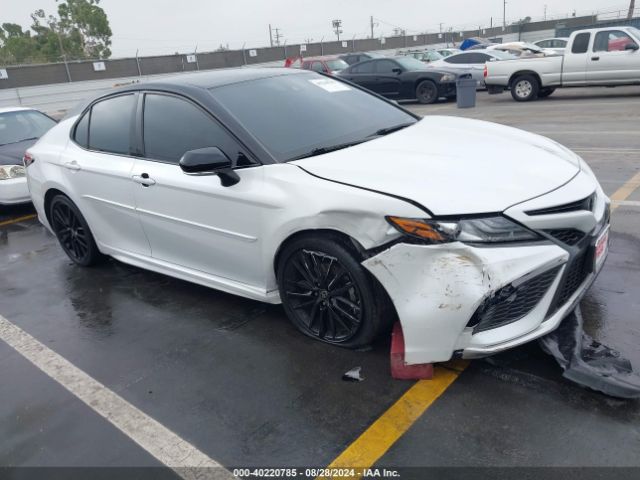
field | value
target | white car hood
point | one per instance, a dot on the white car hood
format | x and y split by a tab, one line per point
452	166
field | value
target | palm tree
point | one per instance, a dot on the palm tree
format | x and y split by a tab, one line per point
632	7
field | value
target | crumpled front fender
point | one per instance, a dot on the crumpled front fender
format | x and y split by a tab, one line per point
437	288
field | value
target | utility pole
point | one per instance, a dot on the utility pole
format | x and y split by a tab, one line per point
337	27
270	36
371	23
504	13
632	8
545	12
277	36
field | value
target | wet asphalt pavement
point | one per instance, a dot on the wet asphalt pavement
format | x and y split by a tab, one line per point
235	379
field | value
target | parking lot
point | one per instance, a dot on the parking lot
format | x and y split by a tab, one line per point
236	384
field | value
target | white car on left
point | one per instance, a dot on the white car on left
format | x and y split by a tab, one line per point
20	128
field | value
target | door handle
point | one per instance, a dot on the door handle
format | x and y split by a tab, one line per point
73	165
144	180
595	59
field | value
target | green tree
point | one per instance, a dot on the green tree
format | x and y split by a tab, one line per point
86	24
16	46
79	31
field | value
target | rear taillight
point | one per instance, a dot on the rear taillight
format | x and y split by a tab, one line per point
28	159
486	71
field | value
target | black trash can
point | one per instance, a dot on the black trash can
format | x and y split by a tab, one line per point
466	91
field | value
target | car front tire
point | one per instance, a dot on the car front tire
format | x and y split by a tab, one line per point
328	295
72	232
525	88
427	92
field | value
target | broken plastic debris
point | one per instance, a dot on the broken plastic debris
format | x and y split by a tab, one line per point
588	362
353	375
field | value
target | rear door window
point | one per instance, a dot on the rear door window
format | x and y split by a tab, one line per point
366	67
111	125
81	135
581	43
458	59
477	58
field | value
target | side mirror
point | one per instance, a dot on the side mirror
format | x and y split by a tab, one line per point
397	71
209	161
631	46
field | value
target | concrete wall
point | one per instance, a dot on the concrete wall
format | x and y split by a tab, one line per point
31	75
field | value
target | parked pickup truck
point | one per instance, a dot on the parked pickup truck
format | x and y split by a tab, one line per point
595	57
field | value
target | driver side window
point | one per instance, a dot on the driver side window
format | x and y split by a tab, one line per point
611	41
173	126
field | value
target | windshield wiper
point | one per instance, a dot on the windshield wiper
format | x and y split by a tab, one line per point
331	148
395	128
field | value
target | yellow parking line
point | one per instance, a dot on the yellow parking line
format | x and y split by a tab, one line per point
17	220
386	430
625	191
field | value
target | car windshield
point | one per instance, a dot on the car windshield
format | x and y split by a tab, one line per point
635	32
301	115
337	65
410	63
23	125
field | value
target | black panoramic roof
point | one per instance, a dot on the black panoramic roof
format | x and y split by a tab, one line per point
227	76
195	83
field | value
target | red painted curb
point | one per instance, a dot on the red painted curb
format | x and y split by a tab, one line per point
399	369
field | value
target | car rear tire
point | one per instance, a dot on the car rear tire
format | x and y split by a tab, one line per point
427	92
525	88
545	92
72	231
328	295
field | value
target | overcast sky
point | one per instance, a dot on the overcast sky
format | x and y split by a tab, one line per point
168	26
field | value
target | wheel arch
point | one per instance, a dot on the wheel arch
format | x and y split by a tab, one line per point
48	197
348	241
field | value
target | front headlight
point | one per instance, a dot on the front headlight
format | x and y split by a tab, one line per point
11	171
449	77
469	230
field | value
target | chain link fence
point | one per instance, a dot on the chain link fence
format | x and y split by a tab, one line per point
15	76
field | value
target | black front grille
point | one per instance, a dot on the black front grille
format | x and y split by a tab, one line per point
584	204
576	273
569	236
511	303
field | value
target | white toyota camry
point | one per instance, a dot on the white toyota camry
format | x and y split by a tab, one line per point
288	186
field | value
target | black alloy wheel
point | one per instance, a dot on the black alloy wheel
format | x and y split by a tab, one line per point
328	294
427	92
324	295
72	231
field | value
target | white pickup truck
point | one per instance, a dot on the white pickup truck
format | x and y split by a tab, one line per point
595	57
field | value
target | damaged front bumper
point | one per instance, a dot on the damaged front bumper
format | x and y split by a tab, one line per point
469	301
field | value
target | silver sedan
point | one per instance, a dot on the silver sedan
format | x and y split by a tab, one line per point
471	62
